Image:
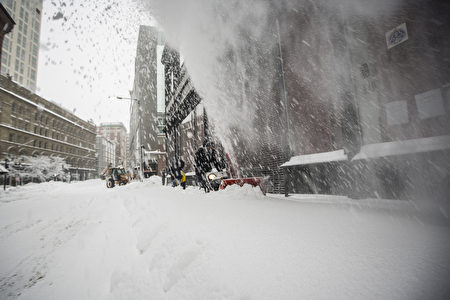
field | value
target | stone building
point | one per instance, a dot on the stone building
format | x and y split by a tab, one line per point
106	153
117	133
33	126
20	51
146	138
7	24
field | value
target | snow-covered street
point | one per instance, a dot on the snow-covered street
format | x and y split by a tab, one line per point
147	241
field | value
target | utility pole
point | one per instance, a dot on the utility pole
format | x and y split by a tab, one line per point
284	104
140	136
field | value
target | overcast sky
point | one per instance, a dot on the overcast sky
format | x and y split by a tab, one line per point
87	55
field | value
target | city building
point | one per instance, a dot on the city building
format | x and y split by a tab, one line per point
106	153
147	143
186	124
33	126
7	25
342	103
381	126
117	133
20	51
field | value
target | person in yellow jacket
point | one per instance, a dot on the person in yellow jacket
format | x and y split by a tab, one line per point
183	180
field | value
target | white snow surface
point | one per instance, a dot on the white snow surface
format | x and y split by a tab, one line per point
148	241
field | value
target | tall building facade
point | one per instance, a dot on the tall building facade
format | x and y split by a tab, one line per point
186	124
146	116
33	126
106	153
116	133
6	25
20	51
344	101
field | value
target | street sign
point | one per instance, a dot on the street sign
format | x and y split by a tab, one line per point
396	36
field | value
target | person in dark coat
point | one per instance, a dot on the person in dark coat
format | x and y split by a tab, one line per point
205	159
176	171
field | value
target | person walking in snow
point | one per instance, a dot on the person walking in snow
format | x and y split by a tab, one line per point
176	172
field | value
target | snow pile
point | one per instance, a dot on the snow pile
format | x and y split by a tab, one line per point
147	241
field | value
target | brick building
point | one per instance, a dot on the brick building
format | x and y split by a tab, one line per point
33	126
371	117
116	133
106	153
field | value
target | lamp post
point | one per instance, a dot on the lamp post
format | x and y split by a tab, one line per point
141	146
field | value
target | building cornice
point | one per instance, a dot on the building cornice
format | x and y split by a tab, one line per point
40	107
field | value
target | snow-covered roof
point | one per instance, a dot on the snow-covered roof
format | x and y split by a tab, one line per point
433	143
315	158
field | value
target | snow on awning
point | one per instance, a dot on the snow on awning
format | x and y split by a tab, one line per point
316	158
156	152
404	147
368	151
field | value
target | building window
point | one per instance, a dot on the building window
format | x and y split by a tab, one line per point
11	137
41	131
27	126
25	139
36	116
33	61
45	145
40	144
4	59
34	143
46	132
35	129
13	108
19	139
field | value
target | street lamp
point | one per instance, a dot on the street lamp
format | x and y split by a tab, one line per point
141	161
